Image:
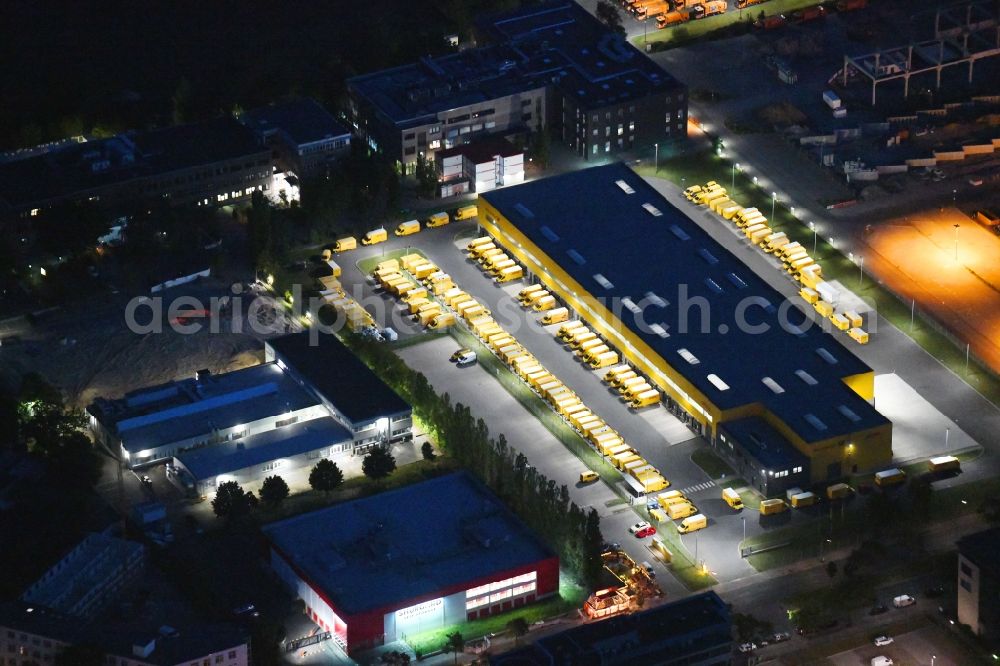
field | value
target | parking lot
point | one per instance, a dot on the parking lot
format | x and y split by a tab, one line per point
914	648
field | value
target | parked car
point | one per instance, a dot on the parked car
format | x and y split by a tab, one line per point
781	637
903	600
645	532
641	525
882	641
460	353
146	481
747	647
246	610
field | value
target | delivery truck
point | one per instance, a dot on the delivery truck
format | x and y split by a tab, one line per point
840	321
478	250
800	500
889	477
944	464
582	336
859	335
770	507
569	329
510	274
534	297
374	237
681	510
476	242
758	236
809	295
615	371
442	321
407	228
652	9
466	213
498	267
527	291
438	220
623	377
823	308
645	399
556	316
729	211
693	524
344	244
853	318
838	491
544	303
605	360
733	499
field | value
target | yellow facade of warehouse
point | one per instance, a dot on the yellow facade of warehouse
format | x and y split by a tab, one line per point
867	449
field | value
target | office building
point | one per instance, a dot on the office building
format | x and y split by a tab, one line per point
421	557
979	584
740	366
304	137
480	166
551	66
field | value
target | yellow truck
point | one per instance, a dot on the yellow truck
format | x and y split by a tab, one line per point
853	318
729	211
556	316
442	285
770	507
408	261
623	377
733	499
485	255
823	308
593	347
838	491
745	215
510	273
693	524
527	291
482	240
438	220
944	464
473	312
859	335
605	360
535	296
811	276
840	322
374	237
421	271
478	250
428	313
800	500
624	457
717	205
632	390
615	371
344	244
466	213
889	477
416	304
442	321
681	510
754	228
581	336
407	228
645	399
788	251
490	261
758	236
498	267
544	303
712	197
626	384
569	329
809	295
653	483
454	296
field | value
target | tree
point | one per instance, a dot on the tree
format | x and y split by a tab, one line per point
378	464
426	174
517	627
232	502
539	147
455	644
831	569
609	15
395	658
325	476
428	451
274	490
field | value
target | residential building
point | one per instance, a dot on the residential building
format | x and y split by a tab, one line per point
90	576
422	557
694	631
32	635
979	584
759	381
304	137
551	66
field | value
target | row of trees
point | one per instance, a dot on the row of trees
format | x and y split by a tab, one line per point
543	505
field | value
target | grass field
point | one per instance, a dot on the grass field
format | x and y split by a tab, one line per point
687	170
691	30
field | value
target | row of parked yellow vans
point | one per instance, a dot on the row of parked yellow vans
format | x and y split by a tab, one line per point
413	279
332	293
795	260
380	235
562	399
673	505
494	260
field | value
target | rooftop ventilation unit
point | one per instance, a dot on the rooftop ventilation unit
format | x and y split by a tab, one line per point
736	280
688	356
826	356
652	210
717	382
659	329
708	256
848	413
626	188
655	300
713	285
603	281
548	233
577	257
524	210
680	233
631	306
773	385
815	422
806	377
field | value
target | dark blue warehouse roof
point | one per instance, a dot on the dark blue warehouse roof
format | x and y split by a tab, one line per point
614	234
764	443
396	547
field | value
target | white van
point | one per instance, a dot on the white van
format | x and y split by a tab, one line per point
881	661
903	600
468	358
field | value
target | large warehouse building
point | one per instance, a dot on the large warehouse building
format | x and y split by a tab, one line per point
422	557
789	405
307	401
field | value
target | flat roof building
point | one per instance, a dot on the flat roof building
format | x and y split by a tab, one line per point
979	584
34	635
212	162
303	403
413	559
721	343
694	631
304	136
552	66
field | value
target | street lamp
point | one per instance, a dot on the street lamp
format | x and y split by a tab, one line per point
744	519
822	548
774	198
933	658
735	167
812	225
956	241
656	161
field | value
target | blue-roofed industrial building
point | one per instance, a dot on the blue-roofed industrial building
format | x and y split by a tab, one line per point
721	343
422	557
304	136
552	66
694	631
307	401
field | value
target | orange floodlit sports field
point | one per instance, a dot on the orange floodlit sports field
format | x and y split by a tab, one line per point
916	257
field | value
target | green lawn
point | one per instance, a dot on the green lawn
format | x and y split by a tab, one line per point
571	597
712	464
699	168
691	30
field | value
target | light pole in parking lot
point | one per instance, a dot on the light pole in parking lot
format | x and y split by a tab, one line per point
735	167
812	225
774	198
744	519
933	658
656	158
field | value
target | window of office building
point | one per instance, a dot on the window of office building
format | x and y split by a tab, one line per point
500	590
607	146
